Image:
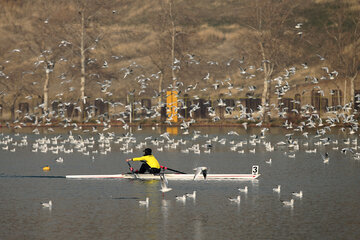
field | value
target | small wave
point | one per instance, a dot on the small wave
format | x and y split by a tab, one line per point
122	198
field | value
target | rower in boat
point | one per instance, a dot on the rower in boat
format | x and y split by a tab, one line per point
150	164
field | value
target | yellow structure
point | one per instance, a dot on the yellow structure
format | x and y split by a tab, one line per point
171	106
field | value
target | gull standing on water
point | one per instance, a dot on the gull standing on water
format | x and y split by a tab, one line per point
181	198
235	200
299	194
47	204
244	190
277	189
288	203
191	195
144	203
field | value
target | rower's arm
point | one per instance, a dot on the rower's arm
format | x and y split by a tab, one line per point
143	158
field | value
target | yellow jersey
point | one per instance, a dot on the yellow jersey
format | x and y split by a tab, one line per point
150	160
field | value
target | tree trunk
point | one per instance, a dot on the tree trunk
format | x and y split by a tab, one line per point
130	103
12	108
173	32
160	88
46	93
265	97
345	92
82	78
172	106
352	90
12	111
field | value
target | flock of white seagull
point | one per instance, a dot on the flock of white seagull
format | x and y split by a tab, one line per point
194	142
312	133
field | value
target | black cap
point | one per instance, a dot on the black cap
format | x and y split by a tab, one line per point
147	151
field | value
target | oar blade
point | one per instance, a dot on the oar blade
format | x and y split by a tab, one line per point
132	170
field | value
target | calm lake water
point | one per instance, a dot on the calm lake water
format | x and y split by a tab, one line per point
109	209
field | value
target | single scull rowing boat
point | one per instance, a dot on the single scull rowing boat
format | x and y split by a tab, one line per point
172	176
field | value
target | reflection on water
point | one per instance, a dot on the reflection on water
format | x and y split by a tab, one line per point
109	209
172	130
198	230
165	206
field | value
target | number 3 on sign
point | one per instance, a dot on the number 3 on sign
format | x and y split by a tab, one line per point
255	169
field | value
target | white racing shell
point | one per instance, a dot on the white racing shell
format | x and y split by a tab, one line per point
171	176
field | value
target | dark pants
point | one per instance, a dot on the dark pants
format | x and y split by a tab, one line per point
145	167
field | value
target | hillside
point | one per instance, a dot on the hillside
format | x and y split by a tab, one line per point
127	47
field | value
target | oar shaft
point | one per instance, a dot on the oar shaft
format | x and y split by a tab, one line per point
131	169
166	168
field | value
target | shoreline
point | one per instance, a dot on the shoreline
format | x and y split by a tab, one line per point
119	124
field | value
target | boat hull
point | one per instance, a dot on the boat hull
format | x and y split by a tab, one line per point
168	176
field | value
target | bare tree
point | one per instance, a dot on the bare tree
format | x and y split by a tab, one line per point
160	58
80	28
17	73
267	22
343	34
171	44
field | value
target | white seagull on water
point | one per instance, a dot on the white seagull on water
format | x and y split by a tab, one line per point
288	203
144	203
244	190
299	194
235	200
277	189
181	198
191	195
47	204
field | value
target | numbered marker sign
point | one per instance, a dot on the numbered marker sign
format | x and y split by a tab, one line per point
255	169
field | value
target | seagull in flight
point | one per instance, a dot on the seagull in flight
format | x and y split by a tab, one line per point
325	158
321	58
200	170
164	184
326	69
207	77
298	26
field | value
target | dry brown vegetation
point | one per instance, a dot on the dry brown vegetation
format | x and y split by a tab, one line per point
216	37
